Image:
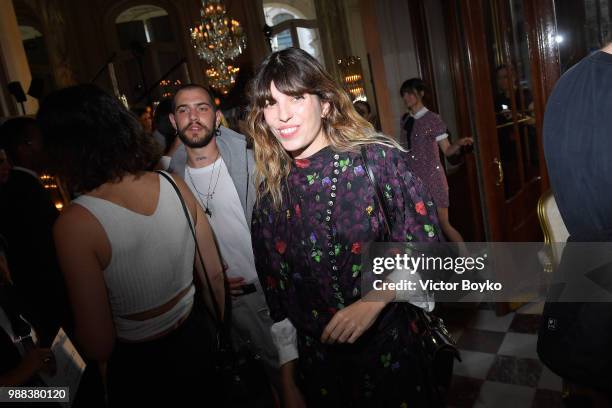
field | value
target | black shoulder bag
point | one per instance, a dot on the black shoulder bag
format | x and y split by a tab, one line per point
242	375
438	344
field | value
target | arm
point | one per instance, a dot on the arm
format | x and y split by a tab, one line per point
33	361
392	175
291	395
208	248
284	335
450	149
212	261
80	241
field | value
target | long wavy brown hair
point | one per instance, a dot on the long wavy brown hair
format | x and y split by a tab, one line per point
296	73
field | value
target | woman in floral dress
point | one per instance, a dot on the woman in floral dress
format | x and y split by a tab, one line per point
316	210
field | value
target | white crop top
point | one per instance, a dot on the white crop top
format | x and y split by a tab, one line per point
151	261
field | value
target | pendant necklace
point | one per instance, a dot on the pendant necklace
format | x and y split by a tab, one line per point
209	195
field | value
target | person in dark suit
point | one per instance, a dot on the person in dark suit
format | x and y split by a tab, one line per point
576	331
27	215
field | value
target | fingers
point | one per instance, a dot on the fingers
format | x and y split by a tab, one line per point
235	280
356	334
235	285
340	329
328	329
45	355
347	333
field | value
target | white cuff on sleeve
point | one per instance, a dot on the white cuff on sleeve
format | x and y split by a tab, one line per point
417	297
441	137
284	337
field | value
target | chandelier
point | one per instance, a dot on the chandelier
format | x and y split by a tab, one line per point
217	40
222	77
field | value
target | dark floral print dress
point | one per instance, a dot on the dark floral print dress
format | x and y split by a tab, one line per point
308	256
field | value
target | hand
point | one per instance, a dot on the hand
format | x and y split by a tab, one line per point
350	323
465	141
235	285
36	359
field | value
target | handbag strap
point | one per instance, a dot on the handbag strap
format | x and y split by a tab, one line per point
424	316
218	320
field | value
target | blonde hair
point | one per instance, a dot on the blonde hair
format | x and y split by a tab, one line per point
296	73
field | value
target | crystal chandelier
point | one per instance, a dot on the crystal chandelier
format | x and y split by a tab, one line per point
217	40
222	77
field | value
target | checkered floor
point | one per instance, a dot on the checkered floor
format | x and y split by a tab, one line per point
500	366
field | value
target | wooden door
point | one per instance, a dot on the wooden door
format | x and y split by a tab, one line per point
503	68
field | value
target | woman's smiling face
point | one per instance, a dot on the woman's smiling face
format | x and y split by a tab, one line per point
296	121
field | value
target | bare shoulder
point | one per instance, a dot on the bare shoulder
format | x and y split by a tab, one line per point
76	219
80	239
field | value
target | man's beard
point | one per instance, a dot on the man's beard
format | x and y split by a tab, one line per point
203	141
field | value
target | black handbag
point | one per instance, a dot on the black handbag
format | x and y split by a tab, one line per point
242	375
438	344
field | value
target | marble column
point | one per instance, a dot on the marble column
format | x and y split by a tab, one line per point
333	30
55	30
13	56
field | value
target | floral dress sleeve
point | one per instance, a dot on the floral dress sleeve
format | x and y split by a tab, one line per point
409	206
411	212
267	263
267	259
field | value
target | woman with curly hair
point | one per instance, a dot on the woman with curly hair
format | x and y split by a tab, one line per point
126	249
316	210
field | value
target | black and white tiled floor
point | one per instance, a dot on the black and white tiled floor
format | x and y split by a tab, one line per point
500	366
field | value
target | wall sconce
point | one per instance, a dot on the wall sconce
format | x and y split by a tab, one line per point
54	187
352	78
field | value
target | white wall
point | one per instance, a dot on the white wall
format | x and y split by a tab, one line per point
397	47
13	54
441	66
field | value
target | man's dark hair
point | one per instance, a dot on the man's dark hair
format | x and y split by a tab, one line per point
91	138
187	87
413	85
14	133
161	123
161	118
362	106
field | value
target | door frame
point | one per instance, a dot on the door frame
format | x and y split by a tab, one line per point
469	52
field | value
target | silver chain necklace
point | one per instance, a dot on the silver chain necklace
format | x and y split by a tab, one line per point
209	196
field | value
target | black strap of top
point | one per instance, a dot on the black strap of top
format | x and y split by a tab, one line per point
218	320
